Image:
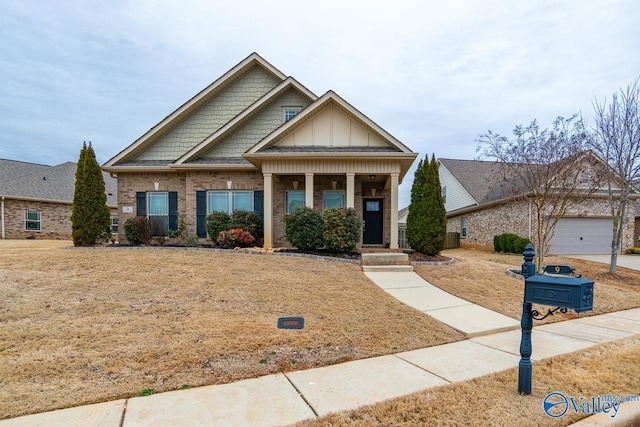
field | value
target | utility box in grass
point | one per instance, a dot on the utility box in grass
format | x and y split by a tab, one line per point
557	286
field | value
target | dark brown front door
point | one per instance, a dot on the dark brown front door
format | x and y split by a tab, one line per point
372	216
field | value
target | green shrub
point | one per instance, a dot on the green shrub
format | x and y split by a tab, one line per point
509	243
304	228
519	244
235	237
137	230
496	243
247	221
341	229
633	251
509	239
217	222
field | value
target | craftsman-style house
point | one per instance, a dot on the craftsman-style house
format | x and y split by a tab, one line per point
258	140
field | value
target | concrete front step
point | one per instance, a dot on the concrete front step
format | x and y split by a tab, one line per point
388	258
387	268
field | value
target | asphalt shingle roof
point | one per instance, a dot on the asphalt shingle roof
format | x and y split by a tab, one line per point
47	183
482	179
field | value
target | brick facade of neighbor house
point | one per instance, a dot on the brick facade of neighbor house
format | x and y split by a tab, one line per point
254	129
477	194
513	217
47	192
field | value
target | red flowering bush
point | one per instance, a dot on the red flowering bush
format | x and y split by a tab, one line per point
235	237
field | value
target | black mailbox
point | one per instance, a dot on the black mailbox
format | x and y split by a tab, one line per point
559	290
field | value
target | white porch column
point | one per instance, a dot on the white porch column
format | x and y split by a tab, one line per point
308	190
268	210
351	190
394	211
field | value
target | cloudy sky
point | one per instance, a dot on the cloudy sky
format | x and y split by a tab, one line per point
434	74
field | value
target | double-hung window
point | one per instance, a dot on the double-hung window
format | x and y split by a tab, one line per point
333	199
463	232
114	224
158	211
229	201
32	221
294	199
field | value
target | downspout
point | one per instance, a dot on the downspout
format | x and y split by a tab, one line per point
2	216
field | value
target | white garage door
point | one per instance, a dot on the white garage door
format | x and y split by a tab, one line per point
581	236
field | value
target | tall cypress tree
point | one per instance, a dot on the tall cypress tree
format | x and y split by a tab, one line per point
90	218
426	220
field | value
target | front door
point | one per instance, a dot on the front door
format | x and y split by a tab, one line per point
372	217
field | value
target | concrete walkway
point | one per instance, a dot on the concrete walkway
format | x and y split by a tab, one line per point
283	399
464	316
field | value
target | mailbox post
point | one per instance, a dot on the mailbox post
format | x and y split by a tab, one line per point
526	323
557	286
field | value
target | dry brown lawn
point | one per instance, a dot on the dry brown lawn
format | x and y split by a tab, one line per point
480	277
493	400
81	326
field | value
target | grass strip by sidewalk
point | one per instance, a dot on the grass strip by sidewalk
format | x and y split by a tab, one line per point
493	400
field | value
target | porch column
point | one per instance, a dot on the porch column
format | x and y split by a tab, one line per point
394	212
351	190
308	190
268	210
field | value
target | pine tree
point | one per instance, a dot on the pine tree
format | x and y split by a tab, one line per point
90	217
426	220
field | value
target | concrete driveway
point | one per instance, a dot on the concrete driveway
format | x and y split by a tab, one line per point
627	261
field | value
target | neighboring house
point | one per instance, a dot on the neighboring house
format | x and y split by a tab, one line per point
479	206
402	227
36	200
258	140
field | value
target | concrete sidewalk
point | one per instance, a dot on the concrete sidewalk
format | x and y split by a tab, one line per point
464	316
283	399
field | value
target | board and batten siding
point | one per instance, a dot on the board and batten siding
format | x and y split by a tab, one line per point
332	127
457	196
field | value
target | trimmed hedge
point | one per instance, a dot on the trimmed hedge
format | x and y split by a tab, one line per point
304	228
218	222
341	229
509	243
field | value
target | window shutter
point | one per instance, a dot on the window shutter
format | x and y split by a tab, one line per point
173	210
201	213
258	204
141	203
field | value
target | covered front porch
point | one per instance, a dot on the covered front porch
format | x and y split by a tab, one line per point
369	186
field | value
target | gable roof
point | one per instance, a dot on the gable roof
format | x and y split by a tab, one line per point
330	97
241	118
193	104
483	180
29	181
268	146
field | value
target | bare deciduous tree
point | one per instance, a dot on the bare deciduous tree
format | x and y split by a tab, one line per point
550	168
617	142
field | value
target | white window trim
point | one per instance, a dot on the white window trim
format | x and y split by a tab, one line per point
288	109
464	228
230	194
38	221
